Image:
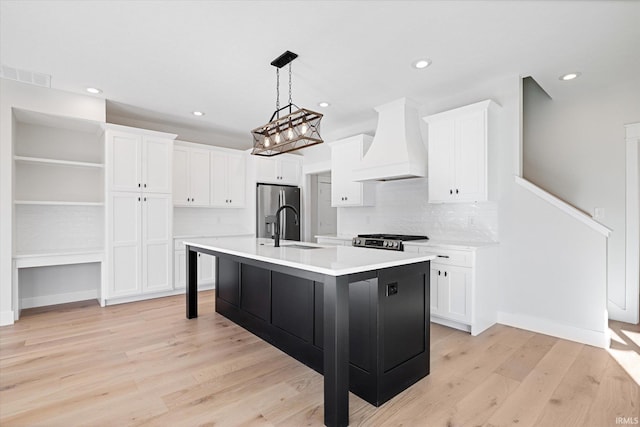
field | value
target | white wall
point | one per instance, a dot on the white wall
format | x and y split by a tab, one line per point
553	271
34	98
575	149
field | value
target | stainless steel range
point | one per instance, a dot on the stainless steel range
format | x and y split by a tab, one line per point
392	242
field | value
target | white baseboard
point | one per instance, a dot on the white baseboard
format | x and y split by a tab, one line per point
616	313
559	330
451	323
6	318
144	297
44	300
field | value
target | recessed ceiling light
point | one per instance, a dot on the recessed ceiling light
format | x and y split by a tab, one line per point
197	113
94	90
323	104
421	63
570	76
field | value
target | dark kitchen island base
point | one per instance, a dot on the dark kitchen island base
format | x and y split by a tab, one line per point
388	320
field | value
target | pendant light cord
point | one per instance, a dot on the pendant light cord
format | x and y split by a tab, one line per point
278	92
290	102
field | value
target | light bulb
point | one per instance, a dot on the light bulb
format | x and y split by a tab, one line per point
304	128
278	139
290	133
267	142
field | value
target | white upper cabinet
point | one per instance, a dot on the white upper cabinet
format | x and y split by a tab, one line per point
282	169
458	153
138	161
191	179
228	172
345	155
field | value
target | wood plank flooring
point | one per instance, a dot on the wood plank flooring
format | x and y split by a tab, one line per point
143	363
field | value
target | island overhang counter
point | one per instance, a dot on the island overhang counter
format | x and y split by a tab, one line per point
358	316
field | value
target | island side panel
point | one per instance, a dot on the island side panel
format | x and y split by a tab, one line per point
192	283
404	313
336	351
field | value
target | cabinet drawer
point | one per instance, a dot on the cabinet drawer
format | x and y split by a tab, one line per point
450	256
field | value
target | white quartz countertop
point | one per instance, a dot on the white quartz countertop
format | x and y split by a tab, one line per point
329	260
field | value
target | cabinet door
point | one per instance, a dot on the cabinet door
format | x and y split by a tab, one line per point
181	195
199	179
157	242
441	149
470	178
266	170
236	173
434	284
219	196
124	161
156	165
454	285
345	191
125	243
288	171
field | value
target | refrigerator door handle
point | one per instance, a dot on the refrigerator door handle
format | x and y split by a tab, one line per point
284	223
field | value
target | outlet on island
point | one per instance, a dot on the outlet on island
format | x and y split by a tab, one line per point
392	289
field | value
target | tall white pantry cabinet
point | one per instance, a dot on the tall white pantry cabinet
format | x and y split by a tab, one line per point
139	212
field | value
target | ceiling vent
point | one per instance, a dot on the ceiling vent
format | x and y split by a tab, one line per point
24	76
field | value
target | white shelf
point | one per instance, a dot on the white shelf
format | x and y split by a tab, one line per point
56	203
41	160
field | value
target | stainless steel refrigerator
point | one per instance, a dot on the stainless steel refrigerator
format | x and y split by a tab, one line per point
269	198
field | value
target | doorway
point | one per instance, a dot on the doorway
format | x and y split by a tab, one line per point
323	218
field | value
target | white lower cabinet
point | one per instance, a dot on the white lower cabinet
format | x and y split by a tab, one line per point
463	292
140	243
451	292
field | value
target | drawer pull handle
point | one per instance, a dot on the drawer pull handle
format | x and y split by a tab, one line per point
443	256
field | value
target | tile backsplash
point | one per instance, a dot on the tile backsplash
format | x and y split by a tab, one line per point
190	221
42	228
402	208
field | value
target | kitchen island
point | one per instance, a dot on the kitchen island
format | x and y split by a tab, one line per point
358	316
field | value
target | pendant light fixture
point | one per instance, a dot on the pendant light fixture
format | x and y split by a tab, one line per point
293	131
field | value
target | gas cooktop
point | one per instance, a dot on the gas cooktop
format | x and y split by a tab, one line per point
384	241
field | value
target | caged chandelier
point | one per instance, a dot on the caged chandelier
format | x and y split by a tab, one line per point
297	129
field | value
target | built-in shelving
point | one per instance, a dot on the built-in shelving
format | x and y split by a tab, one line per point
58	169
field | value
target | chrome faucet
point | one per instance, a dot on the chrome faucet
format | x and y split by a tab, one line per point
275	220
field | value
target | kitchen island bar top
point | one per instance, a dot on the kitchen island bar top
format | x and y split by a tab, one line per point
327	260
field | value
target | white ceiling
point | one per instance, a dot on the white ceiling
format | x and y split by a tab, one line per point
160	60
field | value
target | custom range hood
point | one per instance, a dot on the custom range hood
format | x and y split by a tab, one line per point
397	151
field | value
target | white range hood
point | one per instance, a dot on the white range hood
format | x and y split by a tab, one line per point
397	150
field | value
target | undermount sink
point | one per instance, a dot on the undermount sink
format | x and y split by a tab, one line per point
301	246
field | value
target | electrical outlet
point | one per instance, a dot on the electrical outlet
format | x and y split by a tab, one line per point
392	289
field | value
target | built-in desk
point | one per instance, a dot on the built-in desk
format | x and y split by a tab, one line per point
57	258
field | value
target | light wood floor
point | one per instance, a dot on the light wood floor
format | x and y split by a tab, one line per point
145	364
